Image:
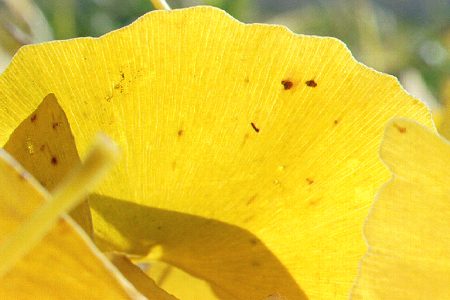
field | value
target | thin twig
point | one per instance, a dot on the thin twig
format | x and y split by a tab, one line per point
160	4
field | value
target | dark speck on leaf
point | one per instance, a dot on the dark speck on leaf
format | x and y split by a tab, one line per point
244	140
252	199
287	84
313	202
253	241
180	132
54	160
255	263
309	180
33	118
400	128
311	83
254	127
336	122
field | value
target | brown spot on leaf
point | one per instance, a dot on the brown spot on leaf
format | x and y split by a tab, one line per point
249	218
42	147
251	199
287	84
56	125
54	160
336	122
33	118
254	127
253	241
255	263
309	180
311	83
313	202
63	228
244	140
174	165
400	129
60	222
180	132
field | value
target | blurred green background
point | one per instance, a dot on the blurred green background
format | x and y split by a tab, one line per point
407	38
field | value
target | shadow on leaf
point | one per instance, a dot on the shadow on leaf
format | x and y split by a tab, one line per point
232	260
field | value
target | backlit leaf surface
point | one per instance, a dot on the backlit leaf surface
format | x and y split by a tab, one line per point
259	142
408	230
178	282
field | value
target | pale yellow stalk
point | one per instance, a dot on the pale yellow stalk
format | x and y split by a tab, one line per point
160	4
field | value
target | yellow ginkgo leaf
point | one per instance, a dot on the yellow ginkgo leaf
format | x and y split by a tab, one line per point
43	144
246	257
270	135
178	282
65	264
408	230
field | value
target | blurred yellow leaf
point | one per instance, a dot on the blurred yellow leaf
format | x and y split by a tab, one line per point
408	230
241	142
43	144
443	123
65	264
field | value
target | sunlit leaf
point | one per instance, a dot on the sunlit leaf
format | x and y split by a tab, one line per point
408	230
65	264
43	144
247	259
181	284
241	143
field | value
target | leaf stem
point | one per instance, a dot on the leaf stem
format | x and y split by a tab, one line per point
160	4
67	195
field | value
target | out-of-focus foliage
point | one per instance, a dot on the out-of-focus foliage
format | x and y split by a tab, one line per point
408	38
